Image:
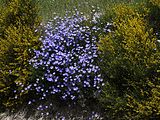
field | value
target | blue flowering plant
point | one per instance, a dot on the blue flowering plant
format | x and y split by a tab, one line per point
66	65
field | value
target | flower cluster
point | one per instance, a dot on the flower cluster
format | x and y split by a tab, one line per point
68	59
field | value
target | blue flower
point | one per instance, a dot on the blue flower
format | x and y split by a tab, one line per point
68	57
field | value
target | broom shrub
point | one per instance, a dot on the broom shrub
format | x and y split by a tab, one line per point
19	34
130	61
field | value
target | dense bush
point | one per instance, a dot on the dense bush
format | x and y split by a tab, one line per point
19	21
14	12
130	60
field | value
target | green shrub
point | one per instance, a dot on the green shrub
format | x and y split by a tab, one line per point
130	60
19	22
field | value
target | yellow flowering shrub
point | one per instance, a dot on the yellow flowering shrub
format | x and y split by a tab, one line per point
130	60
155	2
19	34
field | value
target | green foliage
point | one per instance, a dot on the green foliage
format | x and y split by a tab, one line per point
153	16
155	3
50	8
130	60
16	12
18	22
112	103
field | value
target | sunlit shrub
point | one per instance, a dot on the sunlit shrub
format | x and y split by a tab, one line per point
155	2
18	37
130	60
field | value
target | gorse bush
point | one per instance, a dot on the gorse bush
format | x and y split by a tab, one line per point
130	60
15	13
18	37
67	60
154	2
